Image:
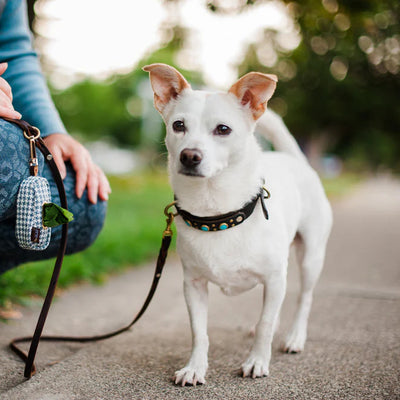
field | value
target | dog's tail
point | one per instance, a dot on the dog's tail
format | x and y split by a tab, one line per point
272	127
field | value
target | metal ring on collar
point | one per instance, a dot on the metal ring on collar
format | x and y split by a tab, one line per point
268	194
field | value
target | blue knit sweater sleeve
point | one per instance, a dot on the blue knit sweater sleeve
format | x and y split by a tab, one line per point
31	96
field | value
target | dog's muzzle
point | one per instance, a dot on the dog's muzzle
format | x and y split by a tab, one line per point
190	160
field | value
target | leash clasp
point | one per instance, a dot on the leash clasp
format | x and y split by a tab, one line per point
170	219
33	161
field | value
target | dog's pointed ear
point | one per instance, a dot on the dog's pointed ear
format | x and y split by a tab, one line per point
167	84
255	89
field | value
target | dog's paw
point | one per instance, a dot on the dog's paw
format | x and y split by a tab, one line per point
295	341
255	366
190	376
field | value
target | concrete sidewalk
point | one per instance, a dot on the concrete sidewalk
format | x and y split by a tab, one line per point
352	352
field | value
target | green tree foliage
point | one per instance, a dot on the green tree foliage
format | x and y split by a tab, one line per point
342	82
100	109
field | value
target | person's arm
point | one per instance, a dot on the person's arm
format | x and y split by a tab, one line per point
30	93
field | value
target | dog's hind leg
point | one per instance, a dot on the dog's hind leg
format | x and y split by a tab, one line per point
196	296
310	255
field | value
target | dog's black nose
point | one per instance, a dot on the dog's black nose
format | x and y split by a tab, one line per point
191	157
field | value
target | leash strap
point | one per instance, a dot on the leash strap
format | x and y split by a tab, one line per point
31	133
30	368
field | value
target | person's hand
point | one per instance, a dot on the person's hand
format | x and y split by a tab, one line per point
65	148
6	107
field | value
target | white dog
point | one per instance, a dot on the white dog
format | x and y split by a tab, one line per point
218	171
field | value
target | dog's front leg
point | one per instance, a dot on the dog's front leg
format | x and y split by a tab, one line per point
257	364
196	296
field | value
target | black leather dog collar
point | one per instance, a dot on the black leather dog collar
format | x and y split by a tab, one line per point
224	221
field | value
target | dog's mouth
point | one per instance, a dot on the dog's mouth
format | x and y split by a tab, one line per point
190	172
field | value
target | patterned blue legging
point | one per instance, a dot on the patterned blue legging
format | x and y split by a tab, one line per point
88	218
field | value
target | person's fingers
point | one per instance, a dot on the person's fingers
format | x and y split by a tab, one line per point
93	184
5	101
64	148
6	107
6	88
3	67
8	113
104	185
80	162
58	159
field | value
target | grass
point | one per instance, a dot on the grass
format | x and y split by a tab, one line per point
131	235
339	186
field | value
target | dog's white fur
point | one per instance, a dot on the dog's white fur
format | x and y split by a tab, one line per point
230	173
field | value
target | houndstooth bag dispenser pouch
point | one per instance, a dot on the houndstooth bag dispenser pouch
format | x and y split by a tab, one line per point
33	193
36	214
31	234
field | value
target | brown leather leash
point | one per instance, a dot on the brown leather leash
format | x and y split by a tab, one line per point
30	368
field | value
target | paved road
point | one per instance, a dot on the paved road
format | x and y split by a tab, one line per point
353	349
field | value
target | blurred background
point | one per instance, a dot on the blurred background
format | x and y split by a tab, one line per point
338	64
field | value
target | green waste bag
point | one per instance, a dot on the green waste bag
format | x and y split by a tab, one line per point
54	215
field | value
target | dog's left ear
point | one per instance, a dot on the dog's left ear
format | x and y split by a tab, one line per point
167	84
255	89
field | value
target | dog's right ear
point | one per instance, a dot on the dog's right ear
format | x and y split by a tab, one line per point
167	84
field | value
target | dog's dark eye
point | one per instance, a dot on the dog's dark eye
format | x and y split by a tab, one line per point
178	126
222	130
